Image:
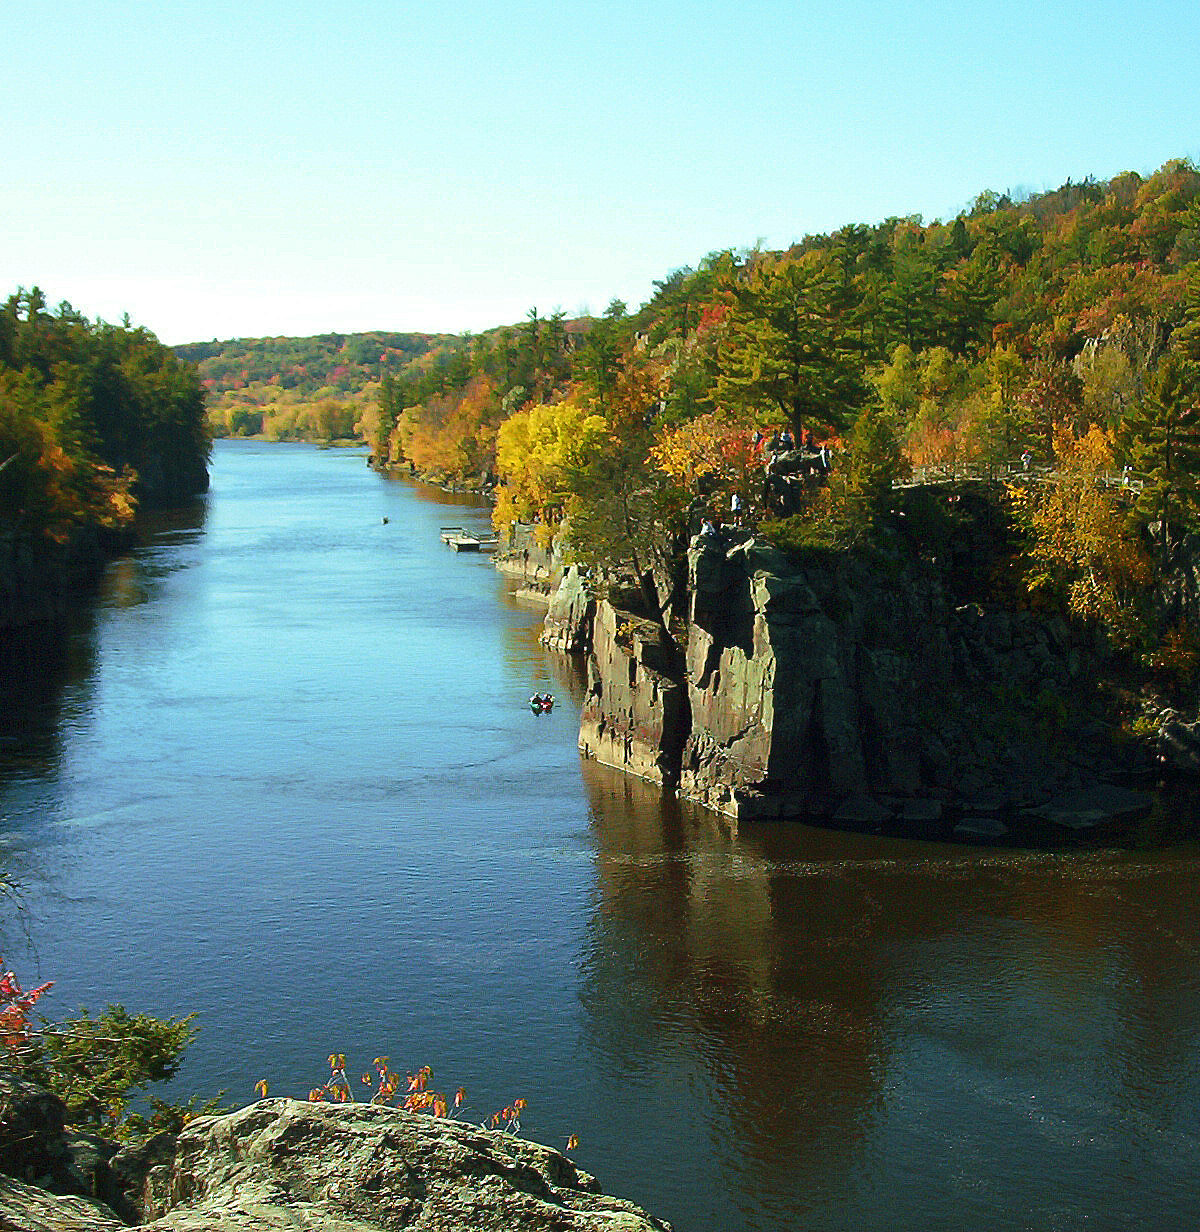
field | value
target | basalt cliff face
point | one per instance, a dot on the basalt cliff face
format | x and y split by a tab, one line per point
853	691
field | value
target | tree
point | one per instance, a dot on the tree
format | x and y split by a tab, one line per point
1000	426
624	512
598	359
537	450
909	302
860	488
784	350
1080	544
1161	438
711	453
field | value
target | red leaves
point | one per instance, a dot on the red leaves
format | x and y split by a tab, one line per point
15	1008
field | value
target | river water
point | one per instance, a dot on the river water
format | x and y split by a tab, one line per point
283	774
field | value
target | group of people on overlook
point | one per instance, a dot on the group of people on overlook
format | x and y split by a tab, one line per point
780	443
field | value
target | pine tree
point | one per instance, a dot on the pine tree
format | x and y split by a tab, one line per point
785	349
1161	437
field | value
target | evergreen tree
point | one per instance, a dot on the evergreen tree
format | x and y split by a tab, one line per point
785	350
1161	436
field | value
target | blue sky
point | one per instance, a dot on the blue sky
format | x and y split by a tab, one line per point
221	170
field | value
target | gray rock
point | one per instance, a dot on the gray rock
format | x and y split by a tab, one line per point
26	1208
1094	805
920	810
980	827
1179	743
861	810
808	684
633	715
568	624
283	1164
985	802
32	1140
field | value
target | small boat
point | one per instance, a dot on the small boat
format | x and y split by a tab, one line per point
541	703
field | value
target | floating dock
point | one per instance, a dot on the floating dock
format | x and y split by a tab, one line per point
461	540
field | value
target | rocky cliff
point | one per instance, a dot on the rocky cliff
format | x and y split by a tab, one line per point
861	692
285	1164
634	713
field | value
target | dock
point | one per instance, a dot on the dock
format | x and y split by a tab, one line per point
461	540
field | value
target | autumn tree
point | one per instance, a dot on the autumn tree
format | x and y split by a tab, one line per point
1000	428
712	454
625	513
1081	547
538	450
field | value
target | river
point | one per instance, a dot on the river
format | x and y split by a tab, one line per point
282	773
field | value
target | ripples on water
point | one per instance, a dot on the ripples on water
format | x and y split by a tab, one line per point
284	775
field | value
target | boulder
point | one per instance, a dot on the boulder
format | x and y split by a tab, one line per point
285	1164
26	1208
1179	743
33	1138
1093	805
36	1147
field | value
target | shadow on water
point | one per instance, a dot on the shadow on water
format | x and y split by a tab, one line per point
164	535
46	674
47	669
793	953
563	675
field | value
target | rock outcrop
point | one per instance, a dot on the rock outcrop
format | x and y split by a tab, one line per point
859	692
634	713
286	1164
356	1168
568	624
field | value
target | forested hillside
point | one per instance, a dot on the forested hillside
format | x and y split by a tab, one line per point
93	419
1055	338
305	388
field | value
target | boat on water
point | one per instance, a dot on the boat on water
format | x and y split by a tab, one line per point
541	703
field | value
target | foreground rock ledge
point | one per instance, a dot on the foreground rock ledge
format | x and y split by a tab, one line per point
356	1168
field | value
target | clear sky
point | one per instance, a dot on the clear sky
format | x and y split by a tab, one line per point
255	168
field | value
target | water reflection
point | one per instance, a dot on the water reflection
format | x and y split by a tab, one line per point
169	540
865	1003
712	938
46	676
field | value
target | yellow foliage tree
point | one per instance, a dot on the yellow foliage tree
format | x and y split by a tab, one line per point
536	450
1080	539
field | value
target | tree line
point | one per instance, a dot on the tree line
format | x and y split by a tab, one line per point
94	418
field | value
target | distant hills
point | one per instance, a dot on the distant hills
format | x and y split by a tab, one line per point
303	387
